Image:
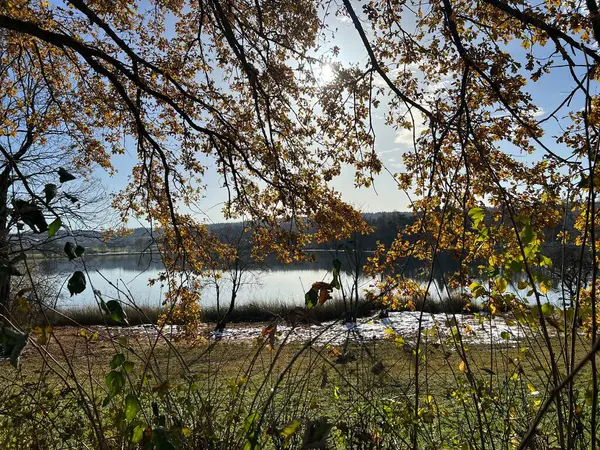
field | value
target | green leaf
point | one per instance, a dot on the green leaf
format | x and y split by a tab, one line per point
64	176
476	215
569	314
250	430
132	407
290	429
77	283
54	227
477	290
311	298
70	250
527	235
128	366
484	234
516	266
337	265
114	310
547	309
492	272
50	192
505	335
336	392
114	382
250	422
79	250
117	360
138	433
335	282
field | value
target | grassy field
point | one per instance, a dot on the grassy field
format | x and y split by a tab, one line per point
107	387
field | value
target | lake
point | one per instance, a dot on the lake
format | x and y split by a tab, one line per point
273	282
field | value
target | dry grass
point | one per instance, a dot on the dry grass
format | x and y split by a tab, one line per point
252	312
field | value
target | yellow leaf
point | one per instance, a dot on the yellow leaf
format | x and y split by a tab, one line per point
501	285
462	366
493	309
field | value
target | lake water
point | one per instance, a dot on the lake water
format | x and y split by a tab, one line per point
131	273
273	282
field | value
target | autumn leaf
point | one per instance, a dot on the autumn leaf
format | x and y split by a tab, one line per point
324	295
271	333
334	351
290	429
321	285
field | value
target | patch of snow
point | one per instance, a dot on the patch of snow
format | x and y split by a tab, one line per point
434	327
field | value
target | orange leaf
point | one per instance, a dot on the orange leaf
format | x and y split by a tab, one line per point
322	285
334	351
269	329
323	296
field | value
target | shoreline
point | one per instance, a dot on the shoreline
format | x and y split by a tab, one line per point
399	326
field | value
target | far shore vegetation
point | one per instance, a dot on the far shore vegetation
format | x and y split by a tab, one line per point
255	312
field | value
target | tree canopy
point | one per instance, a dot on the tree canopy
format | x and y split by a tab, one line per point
495	159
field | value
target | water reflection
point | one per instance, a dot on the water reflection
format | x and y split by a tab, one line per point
270	282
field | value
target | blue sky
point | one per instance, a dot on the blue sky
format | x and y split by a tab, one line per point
384	195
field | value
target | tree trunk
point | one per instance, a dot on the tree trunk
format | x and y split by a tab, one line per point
217	292
4	248
223	322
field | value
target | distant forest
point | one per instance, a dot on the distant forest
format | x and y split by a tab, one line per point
385	229
385	225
